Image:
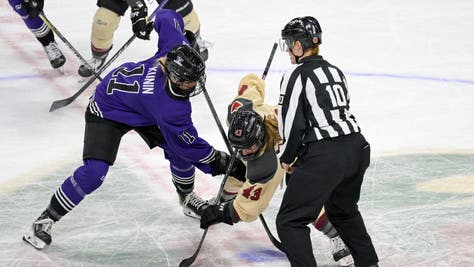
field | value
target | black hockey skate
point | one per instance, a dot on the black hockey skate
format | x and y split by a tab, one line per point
193	205
341	253
95	63
55	56
39	235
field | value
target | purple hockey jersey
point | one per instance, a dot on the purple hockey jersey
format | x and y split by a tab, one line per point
135	94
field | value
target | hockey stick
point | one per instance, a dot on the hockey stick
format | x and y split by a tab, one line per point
274	241
269	62
65	41
64	102
213	110
188	261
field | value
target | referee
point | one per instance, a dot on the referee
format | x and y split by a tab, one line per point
323	150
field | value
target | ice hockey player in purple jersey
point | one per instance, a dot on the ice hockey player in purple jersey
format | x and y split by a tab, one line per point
150	97
29	11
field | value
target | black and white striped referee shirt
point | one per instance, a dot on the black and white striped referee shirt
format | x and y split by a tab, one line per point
313	105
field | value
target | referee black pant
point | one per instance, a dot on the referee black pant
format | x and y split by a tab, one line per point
329	173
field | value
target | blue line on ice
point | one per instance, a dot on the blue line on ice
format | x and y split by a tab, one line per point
361	74
19	77
264	255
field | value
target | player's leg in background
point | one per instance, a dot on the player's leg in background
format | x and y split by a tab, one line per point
42	33
340	252
104	25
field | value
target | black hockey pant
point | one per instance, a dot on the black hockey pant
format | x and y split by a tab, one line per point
330	174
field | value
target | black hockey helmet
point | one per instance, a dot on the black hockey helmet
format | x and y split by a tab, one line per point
185	64
303	29
246	130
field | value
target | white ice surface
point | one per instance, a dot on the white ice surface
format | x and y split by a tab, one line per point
409	66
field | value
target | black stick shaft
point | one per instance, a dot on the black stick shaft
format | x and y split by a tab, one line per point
274	241
269	62
188	261
216	118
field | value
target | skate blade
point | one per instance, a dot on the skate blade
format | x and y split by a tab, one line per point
83	79
60	70
347	261
34	241
206	44
191	214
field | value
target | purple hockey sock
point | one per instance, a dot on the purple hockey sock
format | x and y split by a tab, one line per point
183	176
84	181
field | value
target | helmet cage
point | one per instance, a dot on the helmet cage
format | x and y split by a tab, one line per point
183	64
246	130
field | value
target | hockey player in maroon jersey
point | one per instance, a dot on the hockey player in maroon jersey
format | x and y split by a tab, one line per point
150	97
254	131
29	11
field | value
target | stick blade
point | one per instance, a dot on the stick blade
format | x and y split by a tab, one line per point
59	104
188	261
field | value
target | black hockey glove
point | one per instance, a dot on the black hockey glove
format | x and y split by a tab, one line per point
33	7
221	162
214	214
140	24
191	39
